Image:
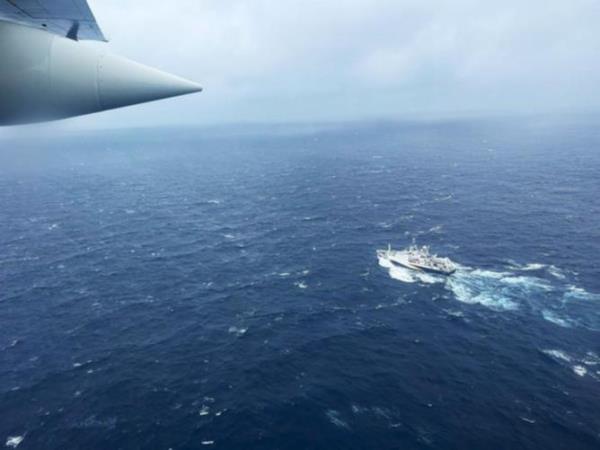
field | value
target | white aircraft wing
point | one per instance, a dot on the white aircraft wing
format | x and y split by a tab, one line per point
68	18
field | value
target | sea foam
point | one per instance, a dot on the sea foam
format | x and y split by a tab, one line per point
503	290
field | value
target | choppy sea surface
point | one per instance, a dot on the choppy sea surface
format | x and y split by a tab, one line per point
219	288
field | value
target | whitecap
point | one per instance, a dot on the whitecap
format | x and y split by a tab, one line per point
556	272
436	229
208	442
591	359
204	411
578	293
527	419
453	313
558	354
334	418
300	284
552	317
14	441
533	266
237	331
444	199
356	409
580	370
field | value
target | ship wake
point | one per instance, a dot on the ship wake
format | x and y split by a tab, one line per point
514	288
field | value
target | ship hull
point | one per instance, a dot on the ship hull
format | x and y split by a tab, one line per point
400	261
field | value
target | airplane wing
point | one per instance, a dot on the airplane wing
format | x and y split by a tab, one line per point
67	18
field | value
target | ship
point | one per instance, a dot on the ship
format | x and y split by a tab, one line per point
419	259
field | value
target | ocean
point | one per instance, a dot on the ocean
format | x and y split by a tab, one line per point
219	287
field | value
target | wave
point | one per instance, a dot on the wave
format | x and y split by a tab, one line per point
335	418
580	365
551	269
14	441
578	293
554	318
237	331
557	354
529	267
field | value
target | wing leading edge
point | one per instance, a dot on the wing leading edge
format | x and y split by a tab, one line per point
68	18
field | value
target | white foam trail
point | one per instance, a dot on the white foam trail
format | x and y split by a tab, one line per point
468	285
428	278
482	287
400	274
384	262
500	290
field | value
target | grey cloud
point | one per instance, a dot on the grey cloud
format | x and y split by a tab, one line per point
343	59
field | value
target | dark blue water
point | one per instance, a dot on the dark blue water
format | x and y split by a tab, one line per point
220	288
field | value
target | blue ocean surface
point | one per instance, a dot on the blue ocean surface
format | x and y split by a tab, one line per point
219	288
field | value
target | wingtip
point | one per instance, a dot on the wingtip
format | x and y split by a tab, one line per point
123	82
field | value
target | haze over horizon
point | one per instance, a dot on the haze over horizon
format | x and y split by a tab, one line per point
287	61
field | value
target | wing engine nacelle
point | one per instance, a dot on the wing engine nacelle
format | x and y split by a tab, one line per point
44	76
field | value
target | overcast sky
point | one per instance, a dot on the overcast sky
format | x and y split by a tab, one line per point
290	60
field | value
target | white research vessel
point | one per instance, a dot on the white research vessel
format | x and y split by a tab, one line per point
418	258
